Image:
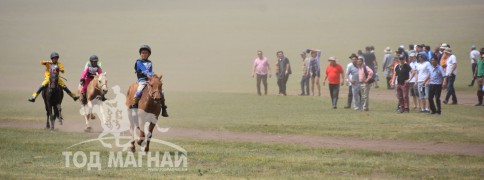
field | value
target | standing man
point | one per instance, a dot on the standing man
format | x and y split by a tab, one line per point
480	80
402	73
422	74
370	61
305	75
434	80
474	56
413	81
333	72
350	65
388	65
364	75
315	69
262	69
283	70
451	73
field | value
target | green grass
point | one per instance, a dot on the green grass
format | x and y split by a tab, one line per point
292	115
38	154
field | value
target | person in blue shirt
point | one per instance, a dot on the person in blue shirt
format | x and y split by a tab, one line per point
436	80
144	71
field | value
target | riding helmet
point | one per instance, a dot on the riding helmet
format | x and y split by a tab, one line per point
145	47
53	55
93	58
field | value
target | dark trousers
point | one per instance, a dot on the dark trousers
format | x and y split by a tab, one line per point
451	89
388	83
262	78
350	96
474	68
305	85
281	82
334	92
434	91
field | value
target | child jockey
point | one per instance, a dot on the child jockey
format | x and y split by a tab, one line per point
144	71
87	76
54	61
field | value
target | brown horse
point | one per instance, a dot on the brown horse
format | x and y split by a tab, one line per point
96	89
149	107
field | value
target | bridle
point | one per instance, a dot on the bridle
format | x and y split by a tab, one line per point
99	88
152	93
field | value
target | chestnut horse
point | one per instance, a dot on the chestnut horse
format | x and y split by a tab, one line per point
149	108
96	89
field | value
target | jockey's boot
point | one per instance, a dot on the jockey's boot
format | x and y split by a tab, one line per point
135	103
34	96
84	99
73	95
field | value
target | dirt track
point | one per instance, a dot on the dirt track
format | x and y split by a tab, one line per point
310	141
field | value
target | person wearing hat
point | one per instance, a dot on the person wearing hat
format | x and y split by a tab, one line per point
144	70
349	76
54	61
401	79
388	65
474	56
88	74
451	71
444	56
333	72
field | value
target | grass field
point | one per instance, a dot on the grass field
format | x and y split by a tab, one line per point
205	50
37	154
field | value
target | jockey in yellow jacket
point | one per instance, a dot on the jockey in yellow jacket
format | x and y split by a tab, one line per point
54	60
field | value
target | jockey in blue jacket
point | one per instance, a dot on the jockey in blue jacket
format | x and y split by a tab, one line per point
144	71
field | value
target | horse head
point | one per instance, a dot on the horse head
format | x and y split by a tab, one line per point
155	87
54	77
102	82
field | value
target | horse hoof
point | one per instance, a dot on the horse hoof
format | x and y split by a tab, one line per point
88	129
93	117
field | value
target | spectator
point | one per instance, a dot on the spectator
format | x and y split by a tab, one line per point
315	69
422	73
283	70
305	75
261	68
451	71
480	80
349	76
413	81
388	65
402	71
474	56
333	72
435	81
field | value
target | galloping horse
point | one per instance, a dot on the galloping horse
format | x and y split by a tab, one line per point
96	89
149	108
53	96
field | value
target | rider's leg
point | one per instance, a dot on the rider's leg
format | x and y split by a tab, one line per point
64	87
137	95
35	94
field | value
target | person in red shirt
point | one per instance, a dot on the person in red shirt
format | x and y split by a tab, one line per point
333	73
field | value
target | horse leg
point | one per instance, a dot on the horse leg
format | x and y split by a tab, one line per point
59	108
132	128
86	118
47	124
56	113
52	117
103	117
149	135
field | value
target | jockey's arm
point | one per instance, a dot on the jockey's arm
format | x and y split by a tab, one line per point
61	67
43	62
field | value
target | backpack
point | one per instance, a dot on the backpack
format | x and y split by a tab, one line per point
372	79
